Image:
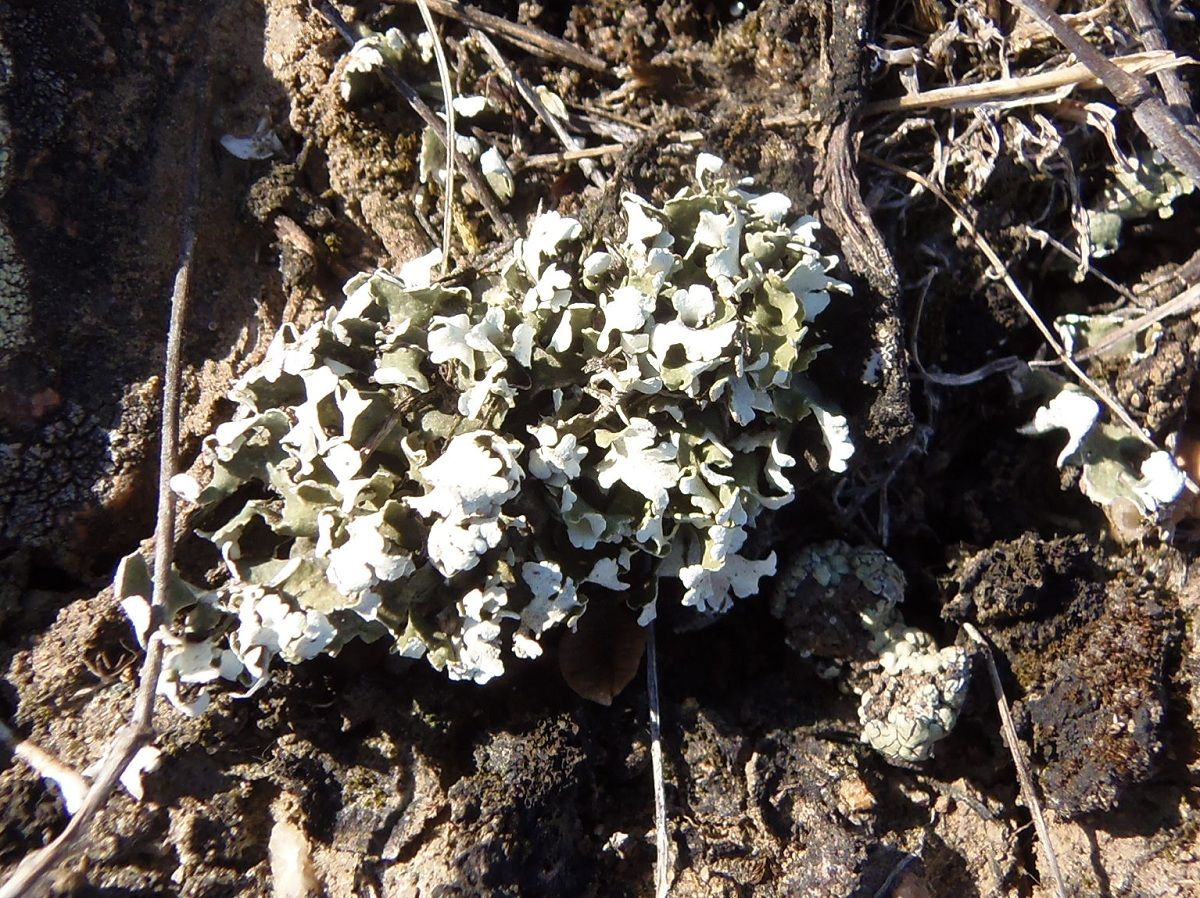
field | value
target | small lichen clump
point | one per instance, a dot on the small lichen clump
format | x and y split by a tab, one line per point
448	465
910	691
1149	185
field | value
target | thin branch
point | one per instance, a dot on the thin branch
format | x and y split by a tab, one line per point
450	139
1173	278
1024	776
126	743
607	149
499	219
1134	92
1044	87
528	38
545	159
535	102
994	259
1172	85
662	842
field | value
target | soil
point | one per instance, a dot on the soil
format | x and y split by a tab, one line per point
401	783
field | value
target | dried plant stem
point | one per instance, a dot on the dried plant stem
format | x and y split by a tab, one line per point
1044	87
1024	776
1134	92
544	159
33	870
662	841
532	40
529	95
994	259
1172	85
449	139
410	95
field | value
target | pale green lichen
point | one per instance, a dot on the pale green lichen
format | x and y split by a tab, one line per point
462	468
910	692
393	49
1118	471
1150	185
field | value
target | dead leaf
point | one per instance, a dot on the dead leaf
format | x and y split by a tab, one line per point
604	653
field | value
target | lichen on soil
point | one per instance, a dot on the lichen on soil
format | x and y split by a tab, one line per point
404	784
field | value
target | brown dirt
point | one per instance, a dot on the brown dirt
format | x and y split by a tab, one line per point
404	784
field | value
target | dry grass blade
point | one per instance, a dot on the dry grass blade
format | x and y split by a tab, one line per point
1024	776
36	867
1152	115
994	259
410	95
535	103
449	140
1044	87
530	39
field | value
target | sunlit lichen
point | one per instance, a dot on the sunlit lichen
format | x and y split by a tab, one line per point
840	602
460	468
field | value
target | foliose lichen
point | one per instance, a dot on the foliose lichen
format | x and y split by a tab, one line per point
463	468
1149	185
1118	472
910	691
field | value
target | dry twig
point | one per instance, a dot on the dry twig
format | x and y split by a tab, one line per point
1024	776
529	95
662	863
449	140
544	159
501	221
1134	92
33	870
1049	240
532	40
1173	89
1044	87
